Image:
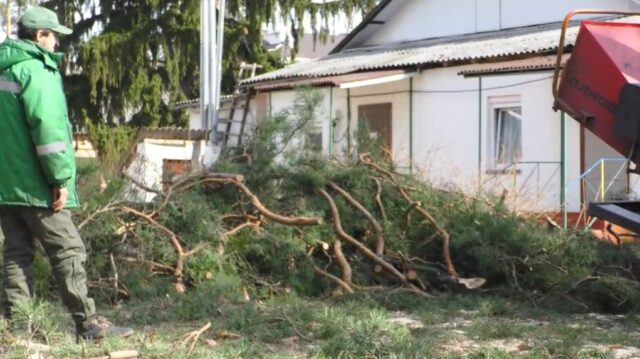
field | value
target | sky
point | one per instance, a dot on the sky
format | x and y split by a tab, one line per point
339	25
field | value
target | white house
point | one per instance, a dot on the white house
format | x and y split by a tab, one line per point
460	91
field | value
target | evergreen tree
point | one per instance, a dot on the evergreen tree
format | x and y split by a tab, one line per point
137	58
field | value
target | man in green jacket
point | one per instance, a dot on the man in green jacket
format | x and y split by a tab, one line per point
38	172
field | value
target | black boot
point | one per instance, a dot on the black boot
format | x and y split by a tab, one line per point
98	327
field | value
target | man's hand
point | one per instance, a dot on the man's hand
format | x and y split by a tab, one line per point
60	195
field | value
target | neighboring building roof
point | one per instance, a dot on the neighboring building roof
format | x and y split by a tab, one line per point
194	103
171	133
370	24
271	40
187	104
313	48
460	49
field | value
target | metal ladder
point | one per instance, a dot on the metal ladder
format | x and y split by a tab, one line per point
232	125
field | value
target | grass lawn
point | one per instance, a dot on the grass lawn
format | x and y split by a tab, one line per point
373	325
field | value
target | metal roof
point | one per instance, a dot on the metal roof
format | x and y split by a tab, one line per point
460	49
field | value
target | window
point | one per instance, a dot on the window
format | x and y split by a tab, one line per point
504	133
507	135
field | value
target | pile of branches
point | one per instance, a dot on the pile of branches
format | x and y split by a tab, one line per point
276	216
333	264
358	227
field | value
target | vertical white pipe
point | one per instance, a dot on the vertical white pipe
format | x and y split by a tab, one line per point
211	64
8	19
204	62
220	43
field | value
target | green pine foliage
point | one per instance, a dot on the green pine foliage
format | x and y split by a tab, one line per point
519	257
111	142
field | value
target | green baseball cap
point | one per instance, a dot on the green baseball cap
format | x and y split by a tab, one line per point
42	18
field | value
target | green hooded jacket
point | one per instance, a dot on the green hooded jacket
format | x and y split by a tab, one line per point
36	144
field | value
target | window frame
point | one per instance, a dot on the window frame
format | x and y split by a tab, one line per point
496	107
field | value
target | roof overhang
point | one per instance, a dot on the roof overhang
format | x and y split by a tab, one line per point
377	80
351	80
532	64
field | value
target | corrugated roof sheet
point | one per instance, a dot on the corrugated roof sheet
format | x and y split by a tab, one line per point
171	133
537	63
457	49
193	103
490	46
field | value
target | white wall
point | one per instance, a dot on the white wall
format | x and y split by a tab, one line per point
146	167
451	125
446	17
195	119
280	101
446	132
523	12
396	93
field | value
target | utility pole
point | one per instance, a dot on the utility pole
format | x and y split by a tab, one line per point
8	18
211	41
207	24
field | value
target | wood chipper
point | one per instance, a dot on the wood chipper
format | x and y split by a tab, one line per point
600	87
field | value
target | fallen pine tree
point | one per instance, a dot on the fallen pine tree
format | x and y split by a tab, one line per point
277	217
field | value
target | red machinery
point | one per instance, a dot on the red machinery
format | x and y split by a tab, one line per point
600	86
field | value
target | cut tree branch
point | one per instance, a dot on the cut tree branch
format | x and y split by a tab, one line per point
377	229
337	225
193	337
150	264
344	265
173	238
334	279
445	239
366	159
111	206
378	199
195	180
235	180
142	185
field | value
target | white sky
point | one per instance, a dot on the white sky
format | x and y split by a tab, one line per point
338	25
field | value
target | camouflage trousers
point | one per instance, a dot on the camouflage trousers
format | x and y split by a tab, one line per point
58	235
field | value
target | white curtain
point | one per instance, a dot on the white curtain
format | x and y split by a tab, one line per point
508	139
